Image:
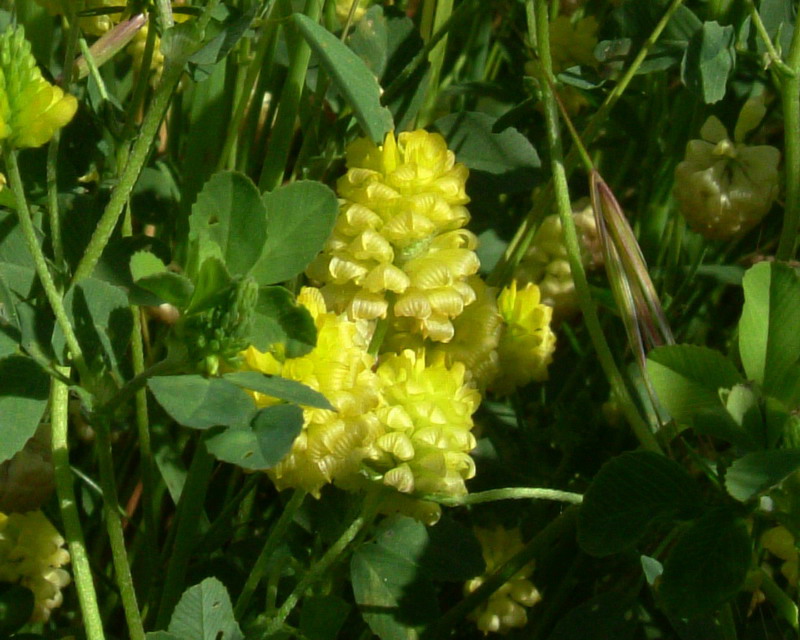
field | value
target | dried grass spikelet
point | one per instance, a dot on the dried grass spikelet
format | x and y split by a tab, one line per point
399	246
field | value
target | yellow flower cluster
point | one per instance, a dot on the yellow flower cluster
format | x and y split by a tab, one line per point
527	344
399	252
94	25
427	421
31	109
31	555
398	246
406	424
331	443
546	264
506	608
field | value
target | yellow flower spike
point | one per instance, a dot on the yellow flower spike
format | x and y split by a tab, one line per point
331	443
427	419
505	608
527	345
31	109
31	555
398	247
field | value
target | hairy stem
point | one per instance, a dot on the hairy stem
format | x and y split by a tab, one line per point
84	584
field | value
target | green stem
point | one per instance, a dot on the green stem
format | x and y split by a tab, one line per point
282	133
510	493
444	9
173	69
275	537
772	52
84	584
142	78
116	536
334	552
522	239
191	503
40	263
561	527
790	98
641	429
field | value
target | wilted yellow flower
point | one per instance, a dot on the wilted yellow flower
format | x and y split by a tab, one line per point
330	444
546	263
725	188
95	25
398	246
426	416
505	608
781	543
31	109
31	555
527	345
572	43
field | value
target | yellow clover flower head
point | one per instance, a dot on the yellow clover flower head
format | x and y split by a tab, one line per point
426	416
506	608
95	25
725	188
331	443
398	245
546	263
31	554
476	335
528	343
31	109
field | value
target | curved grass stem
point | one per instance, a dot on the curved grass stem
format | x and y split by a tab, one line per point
542	37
